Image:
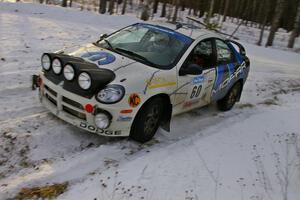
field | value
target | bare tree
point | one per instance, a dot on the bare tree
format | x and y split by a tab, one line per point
296	30
276	20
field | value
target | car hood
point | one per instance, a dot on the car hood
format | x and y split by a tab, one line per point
127	70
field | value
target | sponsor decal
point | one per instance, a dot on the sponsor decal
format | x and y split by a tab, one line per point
134	100
221	85
159	82
124	119
198	80
101	57
189	104
185	39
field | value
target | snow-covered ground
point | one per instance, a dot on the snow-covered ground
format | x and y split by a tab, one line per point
251	152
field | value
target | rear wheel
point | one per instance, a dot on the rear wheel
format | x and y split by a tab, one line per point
147	121
232	96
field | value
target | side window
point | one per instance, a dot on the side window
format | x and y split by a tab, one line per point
202	54
224	53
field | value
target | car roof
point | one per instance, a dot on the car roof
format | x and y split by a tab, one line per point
192	33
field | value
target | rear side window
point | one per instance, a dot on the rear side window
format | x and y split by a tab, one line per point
224	53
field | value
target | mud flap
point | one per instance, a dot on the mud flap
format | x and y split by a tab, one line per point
166	118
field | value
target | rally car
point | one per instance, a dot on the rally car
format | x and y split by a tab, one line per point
134	80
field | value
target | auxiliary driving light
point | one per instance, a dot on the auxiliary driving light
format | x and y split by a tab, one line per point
69	72
46	62
56	66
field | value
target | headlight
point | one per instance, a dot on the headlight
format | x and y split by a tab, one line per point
56	66
84	80
111	94
69	72
46	62
102	121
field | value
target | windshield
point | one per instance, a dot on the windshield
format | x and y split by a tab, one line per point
153	45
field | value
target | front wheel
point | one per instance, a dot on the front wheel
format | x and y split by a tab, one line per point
147	121
231	97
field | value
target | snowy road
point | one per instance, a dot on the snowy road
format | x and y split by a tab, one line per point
251	152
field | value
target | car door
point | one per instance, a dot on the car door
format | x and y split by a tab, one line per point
227	65
194	89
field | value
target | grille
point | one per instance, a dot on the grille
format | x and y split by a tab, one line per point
73	103
51	91
51	99
74	113
68	109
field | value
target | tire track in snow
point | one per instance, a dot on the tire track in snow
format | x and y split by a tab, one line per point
18	120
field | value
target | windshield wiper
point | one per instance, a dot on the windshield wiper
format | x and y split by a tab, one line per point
109	44
135	55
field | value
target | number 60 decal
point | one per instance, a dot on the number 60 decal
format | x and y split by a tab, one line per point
196	91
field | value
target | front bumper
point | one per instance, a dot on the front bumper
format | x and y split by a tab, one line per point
70	108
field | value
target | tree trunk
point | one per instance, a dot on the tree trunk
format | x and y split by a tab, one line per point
263	19
296	30
64	3
111	7
70	3
276	21
175	11
226	10
145	13
124	7
210	12
155	5
163	10
102	6
220	9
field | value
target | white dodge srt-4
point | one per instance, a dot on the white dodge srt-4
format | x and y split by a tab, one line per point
134	80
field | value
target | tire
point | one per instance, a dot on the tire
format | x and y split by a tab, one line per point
147	121
231	98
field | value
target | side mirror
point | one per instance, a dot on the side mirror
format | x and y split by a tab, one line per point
102	36
191	69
